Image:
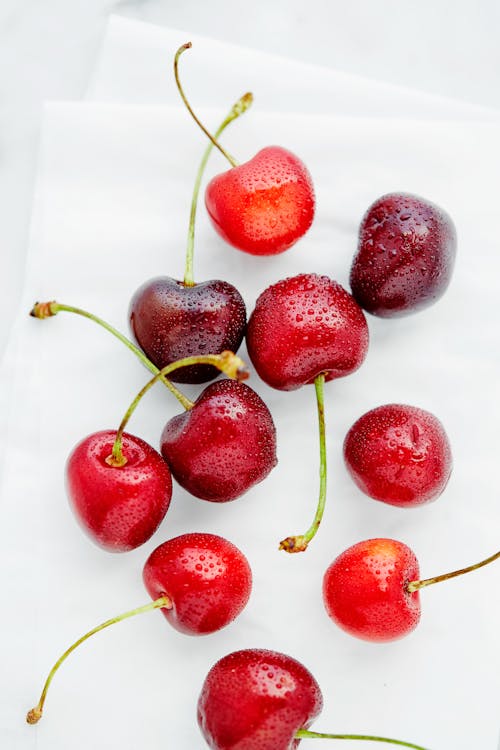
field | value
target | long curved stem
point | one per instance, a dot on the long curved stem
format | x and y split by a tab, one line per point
238	109
226	362
179	52
304	734
416	585
42	310
35	714
299	542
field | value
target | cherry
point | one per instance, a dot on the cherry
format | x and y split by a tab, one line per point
305	326
399	454
263	700
306	329
405	256
223	445
371	590
264	205
120	507
206	577
172	319
201	583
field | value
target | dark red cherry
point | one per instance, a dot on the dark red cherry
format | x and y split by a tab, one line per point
264	205
399	454
304	326
207	579
222	446
364	590
120	507
171	320
405	258
257	700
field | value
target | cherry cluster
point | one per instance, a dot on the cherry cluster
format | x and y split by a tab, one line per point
304	330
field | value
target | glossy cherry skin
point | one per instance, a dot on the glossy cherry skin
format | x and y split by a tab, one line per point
304	326
171	321
257	700
399	454
264	205
119	507
206	577
364	590
405	258
222	446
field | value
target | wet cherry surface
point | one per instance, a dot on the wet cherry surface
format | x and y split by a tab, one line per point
405	257
257	700
264	205
171	321
399	454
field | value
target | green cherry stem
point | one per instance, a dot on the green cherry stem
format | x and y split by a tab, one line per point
42	310
179	52
304	734
416	585
237	109
299	542
35	714
227	362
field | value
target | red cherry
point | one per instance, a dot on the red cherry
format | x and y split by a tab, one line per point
304	326
372	589
171	320
264	205
405	256
207	579
201	582
263	700
222	446
364	590
399	454
257	700
120	507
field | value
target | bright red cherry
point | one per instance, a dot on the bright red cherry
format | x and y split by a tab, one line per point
304	326
119	506
264	700
364	590
206	577
223	445
257	700
201	582
405	256
399	454
372	589
264	205
171	320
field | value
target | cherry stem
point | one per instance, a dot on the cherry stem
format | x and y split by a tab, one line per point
35	714
299	542
179	52
413	586
44	310
227	362
238	109
305	734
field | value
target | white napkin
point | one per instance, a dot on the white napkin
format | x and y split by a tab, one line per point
111	210
135	62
